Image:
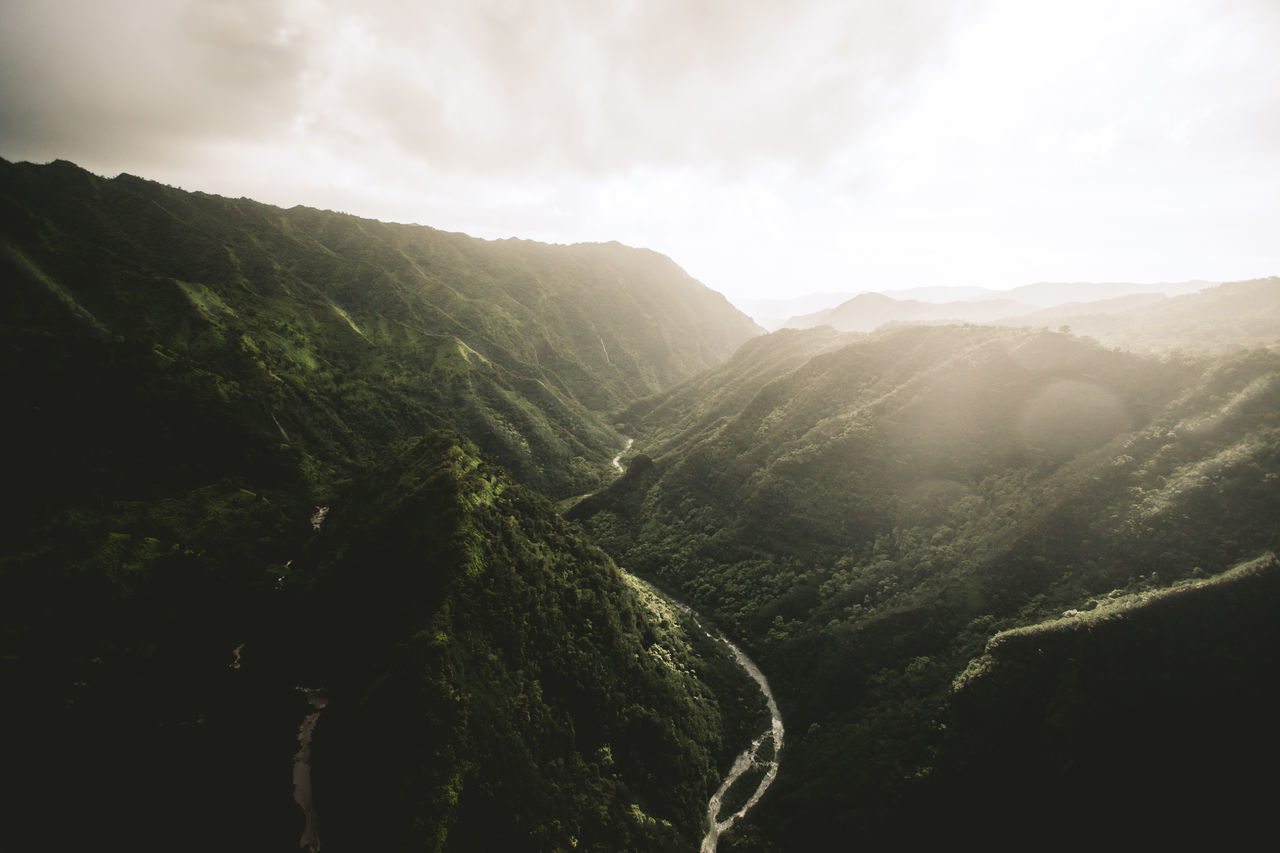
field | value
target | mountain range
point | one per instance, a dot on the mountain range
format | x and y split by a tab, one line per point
1135	317
774	314
317	532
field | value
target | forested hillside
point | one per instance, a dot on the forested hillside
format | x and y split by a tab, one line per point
493	681
327	334
867	511
282	559
253	452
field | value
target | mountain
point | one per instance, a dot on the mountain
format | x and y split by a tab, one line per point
866	512
944	293
869	311
1227	317
1223	317
273	480
282	561
479	675
493	681
967	304
1046	294
330	334
1145	700
772	313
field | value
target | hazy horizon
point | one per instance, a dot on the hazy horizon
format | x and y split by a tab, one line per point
772	152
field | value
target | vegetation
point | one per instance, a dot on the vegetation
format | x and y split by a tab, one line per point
190	379
494	682
331	335
865	512
273	465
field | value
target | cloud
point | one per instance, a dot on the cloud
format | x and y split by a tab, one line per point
812	145
599	88
146	78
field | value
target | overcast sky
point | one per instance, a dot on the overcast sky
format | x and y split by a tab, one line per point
770	148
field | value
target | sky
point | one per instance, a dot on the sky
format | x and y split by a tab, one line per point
771	148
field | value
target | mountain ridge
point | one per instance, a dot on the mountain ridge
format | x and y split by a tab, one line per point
1218	317
563	335
265	451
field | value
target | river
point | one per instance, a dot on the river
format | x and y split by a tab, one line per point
749	758
302	769
764	751
617	460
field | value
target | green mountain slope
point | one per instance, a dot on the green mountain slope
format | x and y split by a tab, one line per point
493	681
189	380
488	678
1148	713
867	517
331	334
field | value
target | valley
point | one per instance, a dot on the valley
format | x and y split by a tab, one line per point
998	577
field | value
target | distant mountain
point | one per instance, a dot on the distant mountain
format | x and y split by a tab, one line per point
1226	317
1046	294
816	309
772	313
944	293
1217	317
869	311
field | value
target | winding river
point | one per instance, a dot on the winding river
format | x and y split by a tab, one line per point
302	769
763	752
747	759
755	755
617	460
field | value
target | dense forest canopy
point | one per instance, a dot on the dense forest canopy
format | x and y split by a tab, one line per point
275	467
248	458
867	511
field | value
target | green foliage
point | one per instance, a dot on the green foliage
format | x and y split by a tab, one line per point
866	512
342	335
494	681
1153	700
188	379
